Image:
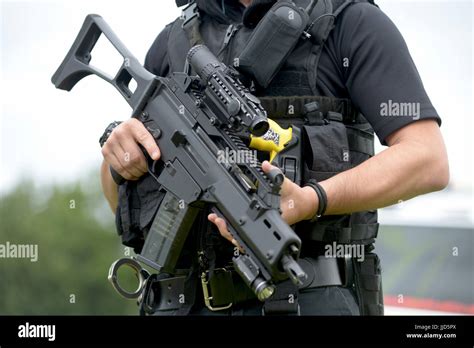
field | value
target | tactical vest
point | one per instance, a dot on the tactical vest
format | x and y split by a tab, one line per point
336	136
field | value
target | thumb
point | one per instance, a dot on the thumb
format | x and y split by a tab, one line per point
267	167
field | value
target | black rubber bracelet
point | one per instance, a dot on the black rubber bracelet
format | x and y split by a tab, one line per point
322	197
107	132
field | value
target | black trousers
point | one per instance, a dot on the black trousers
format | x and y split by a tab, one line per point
324	301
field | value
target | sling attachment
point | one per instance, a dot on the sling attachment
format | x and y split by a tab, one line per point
230	32
209	296
164	292
180	3
191	22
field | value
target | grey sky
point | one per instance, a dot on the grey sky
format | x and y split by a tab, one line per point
53	135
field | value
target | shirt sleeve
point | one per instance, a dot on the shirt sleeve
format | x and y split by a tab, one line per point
156	60
380	75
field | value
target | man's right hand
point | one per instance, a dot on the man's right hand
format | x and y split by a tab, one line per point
122	150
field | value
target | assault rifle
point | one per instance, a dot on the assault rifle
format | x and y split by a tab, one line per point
193	119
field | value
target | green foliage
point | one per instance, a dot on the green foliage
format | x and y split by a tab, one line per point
74	230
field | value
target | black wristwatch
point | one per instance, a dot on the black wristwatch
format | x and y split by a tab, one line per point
107	132
322	197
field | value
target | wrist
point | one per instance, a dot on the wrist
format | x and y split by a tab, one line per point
321	198
311	202
110	128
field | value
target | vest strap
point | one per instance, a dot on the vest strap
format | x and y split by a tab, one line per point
191	23
296	109
360	143
357	233
368	285
294	106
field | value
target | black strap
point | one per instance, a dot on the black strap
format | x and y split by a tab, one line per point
190	284
255	12
363	143
227	287
191	23
292	107
180	3
322	272
362	233
322	19
284	301
207	239
368	281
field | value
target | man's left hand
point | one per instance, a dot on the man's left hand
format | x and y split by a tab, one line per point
296	204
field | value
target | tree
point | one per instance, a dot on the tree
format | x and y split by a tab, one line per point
73	229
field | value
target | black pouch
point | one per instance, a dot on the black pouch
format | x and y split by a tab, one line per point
325	149
368	285
272	41
138	202
361	142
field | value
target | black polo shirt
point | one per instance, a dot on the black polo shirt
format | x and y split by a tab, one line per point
365	59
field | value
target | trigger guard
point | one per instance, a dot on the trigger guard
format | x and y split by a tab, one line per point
154	167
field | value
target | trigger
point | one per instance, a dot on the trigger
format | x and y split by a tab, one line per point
155	132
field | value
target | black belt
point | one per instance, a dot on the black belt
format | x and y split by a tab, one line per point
225	288
322	271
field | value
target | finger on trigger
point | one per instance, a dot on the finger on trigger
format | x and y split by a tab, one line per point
144	137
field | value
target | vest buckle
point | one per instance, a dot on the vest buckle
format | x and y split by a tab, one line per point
189	13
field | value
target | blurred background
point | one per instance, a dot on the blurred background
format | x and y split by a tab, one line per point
49	160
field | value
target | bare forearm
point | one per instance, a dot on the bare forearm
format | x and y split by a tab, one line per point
109	187
122	152
405	170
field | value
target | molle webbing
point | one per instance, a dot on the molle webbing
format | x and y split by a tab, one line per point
368	285
287	110
291	107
